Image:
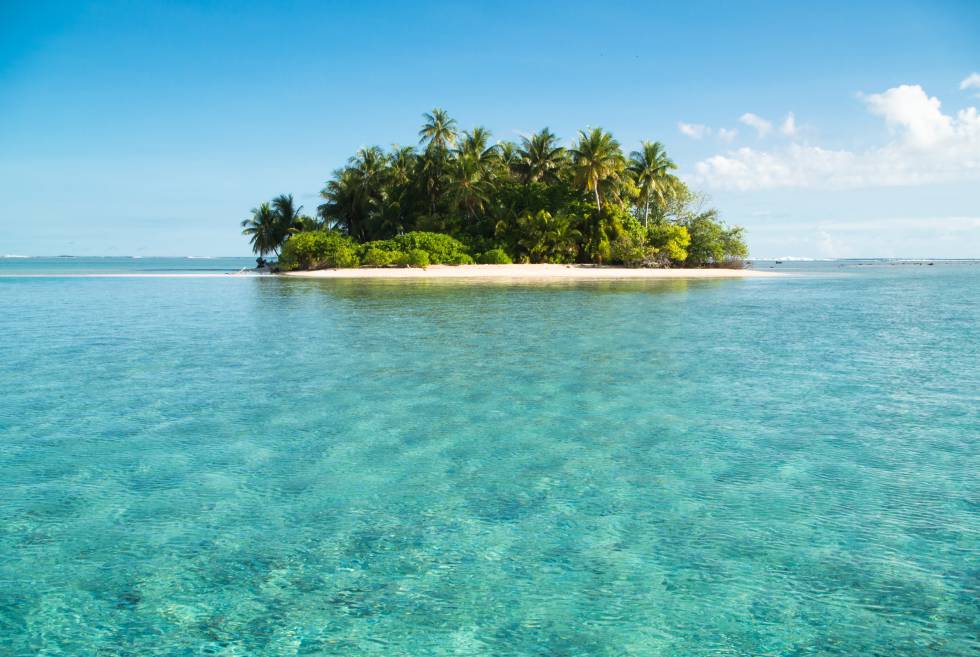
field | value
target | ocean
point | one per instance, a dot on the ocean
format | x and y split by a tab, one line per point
251	465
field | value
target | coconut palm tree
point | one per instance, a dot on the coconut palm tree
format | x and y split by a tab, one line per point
597	161
508	157
288	214
651	170
264	230
469	185
402	162
402	166
439	131
475	143
541	157
343	205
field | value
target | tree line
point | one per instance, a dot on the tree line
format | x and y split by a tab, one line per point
529	201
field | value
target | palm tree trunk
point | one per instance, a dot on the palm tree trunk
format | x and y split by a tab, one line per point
597	205
646	213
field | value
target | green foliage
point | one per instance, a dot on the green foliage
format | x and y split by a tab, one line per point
598	163
651	171
548	238
459	259
631	250
671	241
414	258
438	247
712	242
381	245
494	257
733	243
630	247
375	257
318	250
458	193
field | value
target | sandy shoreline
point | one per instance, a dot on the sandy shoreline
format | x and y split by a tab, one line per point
531	272
463	272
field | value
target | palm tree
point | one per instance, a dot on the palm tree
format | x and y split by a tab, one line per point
402	162
469	186
651	171
508	156
541	157
475	143
402	166
286	211
264	230
438	131
597	160
343	205
367	181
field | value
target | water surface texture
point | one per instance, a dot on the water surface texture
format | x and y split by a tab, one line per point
257	466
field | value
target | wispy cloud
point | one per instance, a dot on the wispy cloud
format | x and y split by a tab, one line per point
762	126
927	146
788	127
694	130
727	135
972	81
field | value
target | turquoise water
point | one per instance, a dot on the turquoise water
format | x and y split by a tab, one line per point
257	466
87	266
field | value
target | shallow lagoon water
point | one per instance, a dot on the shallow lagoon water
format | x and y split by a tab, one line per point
257	466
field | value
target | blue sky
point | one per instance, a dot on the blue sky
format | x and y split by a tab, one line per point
152	128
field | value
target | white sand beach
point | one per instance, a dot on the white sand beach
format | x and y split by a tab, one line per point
530	272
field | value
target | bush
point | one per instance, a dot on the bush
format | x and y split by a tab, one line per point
318	250
414	258
459	259
671	241
712	242
375	257
732	263
439	248
494	257
380	245
630	250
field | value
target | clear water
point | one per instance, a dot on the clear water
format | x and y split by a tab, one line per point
115	265
256	466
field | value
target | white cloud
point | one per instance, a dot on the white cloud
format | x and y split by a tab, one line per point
908	108
727	135
927	147
972	81
788	127
694	130
761	126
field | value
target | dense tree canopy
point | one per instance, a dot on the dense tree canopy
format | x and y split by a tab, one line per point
532	201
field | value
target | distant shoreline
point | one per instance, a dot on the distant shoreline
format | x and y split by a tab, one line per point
528	272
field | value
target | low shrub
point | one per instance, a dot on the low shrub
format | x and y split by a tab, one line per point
495	257
375	257
318	249
631	251
732	263
459	259
440	248
381	245
671	241
414	258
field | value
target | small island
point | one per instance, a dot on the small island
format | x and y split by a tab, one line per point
530	209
